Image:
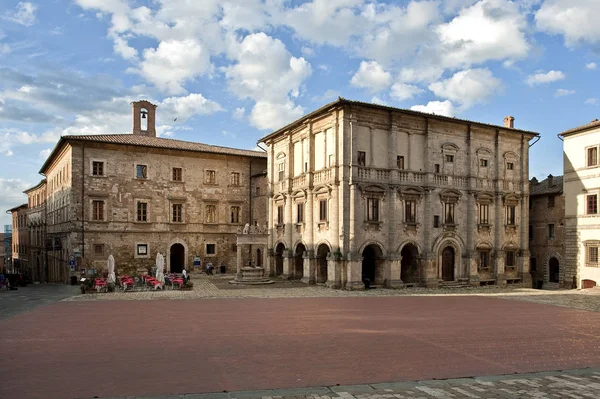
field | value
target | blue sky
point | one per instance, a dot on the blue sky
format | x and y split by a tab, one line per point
231	71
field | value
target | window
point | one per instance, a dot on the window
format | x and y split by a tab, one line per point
510	259
400	162
372	209
300	213
436	221
550	231
141	172
484	259
437	168
510	166
97	210
177	174
306	165
592	156
450	158
510	215
483	163
592	204
235	214
281	171
530	232
532	265
211	249
97	168
362	158
323	210
211	213
177	213
410	211
142	249
211	177
484	214
449	213
592	256
98	249
330	162
235	179
142	212
280	214
551	201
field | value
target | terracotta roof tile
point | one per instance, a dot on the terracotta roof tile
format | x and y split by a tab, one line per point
543	188
592	124
159	142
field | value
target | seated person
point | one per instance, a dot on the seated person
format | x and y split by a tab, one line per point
209	268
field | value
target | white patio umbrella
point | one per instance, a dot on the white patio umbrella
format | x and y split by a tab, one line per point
160	265
110	263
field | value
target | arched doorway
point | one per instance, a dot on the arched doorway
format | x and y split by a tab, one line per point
371	265
553	270
322	253
279	259
448	264
177	258
258	258
299	261
409	267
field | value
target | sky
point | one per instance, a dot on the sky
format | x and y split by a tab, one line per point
228	72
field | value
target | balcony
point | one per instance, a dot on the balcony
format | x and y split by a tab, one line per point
322	176
299	181
373	174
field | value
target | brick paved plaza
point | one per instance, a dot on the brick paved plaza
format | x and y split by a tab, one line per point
255	339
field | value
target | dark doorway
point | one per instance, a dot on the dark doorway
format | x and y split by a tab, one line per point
409	269
553	270
372	257
258	258
299	261
177	258
322	253
279	259
448	264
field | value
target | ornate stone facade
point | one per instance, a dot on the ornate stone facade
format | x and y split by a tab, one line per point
362	193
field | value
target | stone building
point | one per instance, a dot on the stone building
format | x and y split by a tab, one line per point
582	191
133	195
546	234
20	240
36	226
362	191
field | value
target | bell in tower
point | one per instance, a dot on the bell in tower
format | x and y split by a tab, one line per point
144	121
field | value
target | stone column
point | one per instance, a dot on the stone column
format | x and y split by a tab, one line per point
288	264
334	277
524	253
396	271
500	267
265	260
427	264
238	274
309	269
499	219
471	273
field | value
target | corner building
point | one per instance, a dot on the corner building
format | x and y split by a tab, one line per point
361	191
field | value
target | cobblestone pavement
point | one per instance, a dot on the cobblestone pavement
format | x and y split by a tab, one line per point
217	287
573	384
31	296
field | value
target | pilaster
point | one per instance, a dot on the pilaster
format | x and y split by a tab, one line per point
334	278
288	264
309	268
395	261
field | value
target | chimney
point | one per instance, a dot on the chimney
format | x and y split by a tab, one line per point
509	121
550	178
534	181
144	118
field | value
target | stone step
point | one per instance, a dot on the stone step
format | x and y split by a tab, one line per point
453	284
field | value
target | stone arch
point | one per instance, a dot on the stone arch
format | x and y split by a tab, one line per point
413	242
547	258
177	240
323	249
409	263
456	239
278	254
373	242
373	262
299	249
449	268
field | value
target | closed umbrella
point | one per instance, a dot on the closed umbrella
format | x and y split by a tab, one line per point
160	264
111	269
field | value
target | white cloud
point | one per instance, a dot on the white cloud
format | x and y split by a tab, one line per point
44	154
239	113
268	115
445	108
4	48
184	108
575	20
372	77
24	14
426	74
487	30
12	195
402	91
540	77
563	92
328	96
174	62
307	51
592	101
378	100
267	73
468	87
591	65
122	48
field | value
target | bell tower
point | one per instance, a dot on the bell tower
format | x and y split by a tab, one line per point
144	117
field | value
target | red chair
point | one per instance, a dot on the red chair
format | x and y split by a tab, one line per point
100	285
179	281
